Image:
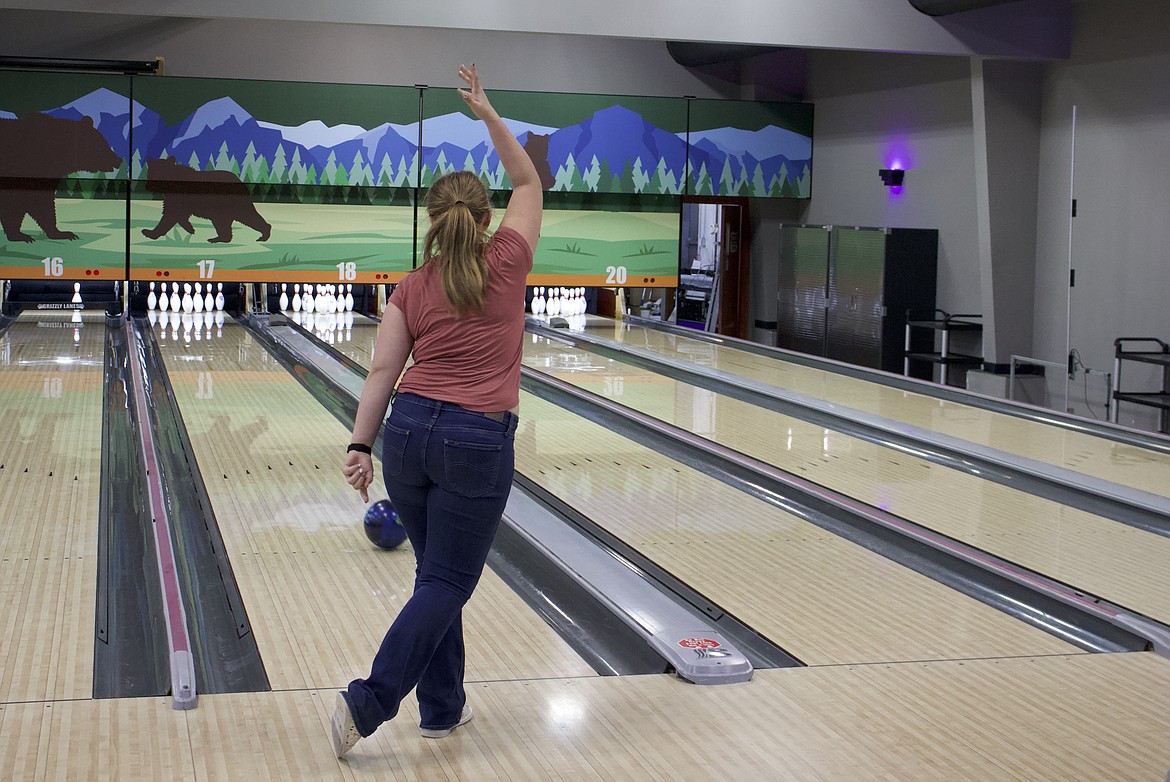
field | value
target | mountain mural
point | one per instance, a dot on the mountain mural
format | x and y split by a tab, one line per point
613	151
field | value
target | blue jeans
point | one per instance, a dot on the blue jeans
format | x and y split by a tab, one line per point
448	472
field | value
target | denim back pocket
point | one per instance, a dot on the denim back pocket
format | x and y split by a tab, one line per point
394	441
471	469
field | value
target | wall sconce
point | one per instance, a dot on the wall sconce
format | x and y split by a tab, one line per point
892	177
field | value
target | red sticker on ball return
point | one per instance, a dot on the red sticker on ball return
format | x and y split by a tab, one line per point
698	643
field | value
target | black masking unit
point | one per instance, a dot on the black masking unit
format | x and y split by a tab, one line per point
944	7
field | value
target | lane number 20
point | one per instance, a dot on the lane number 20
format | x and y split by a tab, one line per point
615	275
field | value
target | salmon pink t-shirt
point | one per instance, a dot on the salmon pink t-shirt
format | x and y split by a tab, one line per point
474	360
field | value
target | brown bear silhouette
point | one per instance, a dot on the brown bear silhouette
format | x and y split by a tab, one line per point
537	148
36	153
218	196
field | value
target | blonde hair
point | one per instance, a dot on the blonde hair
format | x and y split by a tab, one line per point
458	206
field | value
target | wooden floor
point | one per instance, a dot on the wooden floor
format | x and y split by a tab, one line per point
1124	464
1107	559
910	681
1085	718
51	383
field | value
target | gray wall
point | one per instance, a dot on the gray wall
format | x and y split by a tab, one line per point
875	109
1120	244
1022	29
301	51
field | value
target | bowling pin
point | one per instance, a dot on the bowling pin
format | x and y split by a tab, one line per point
219	297
163	301
175	298
349	298
151	300
283	297
188	303
307	300
296	299
208	302
76	293
197	302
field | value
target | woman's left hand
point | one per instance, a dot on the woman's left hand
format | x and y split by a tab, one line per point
359	472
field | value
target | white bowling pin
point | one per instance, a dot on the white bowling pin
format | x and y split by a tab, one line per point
219	297
208	302
349	298
163	301
151	299
296	299
188	303
283	297
76	293
175	301
307	300
197	302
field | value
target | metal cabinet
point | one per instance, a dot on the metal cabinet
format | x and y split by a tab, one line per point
843	291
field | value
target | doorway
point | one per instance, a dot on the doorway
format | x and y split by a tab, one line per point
714	265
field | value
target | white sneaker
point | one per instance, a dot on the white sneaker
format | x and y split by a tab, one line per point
434	733
345	733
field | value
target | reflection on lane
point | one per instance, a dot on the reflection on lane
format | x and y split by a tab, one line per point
1118	462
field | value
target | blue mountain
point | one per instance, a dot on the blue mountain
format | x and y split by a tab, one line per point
619	136
615	135
110	113
760	144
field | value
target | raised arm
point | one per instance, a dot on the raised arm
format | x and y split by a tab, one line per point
527	202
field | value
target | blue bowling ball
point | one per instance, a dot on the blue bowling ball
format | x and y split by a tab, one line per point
383	527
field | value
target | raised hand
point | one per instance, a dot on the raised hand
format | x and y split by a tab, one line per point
474	97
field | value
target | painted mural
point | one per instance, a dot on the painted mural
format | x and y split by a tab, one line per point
235	180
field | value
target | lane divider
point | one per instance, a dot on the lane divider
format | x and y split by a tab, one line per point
183	695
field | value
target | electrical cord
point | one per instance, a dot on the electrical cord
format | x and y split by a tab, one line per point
1075	362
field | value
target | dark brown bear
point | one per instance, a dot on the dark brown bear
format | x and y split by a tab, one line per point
537	148
218	196
36	152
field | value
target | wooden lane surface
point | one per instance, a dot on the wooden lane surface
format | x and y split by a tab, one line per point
51	387
824	599
318	594
1080	718
1110	560
1127	465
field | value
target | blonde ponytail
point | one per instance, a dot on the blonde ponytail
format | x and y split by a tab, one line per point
458	206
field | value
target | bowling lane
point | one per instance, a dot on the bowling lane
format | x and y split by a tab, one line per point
1108	559
1086	454
318	595
823	598
51	385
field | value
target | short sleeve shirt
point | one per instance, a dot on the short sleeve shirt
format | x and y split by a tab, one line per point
473	360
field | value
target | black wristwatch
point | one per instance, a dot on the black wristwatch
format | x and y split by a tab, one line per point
359	447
